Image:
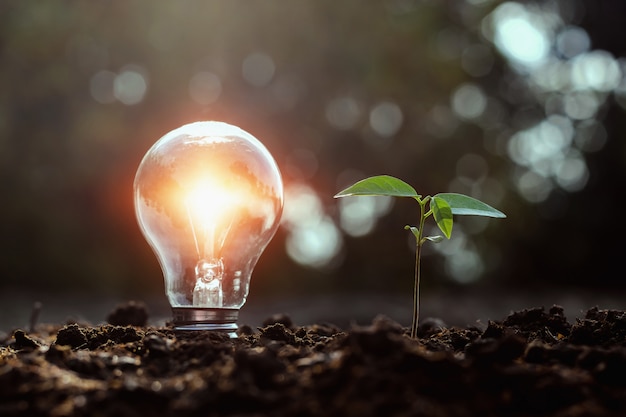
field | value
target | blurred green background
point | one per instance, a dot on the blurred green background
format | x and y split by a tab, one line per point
518	104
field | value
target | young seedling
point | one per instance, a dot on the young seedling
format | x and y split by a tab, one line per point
441	206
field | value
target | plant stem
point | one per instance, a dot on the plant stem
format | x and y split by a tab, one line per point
416	293
418	255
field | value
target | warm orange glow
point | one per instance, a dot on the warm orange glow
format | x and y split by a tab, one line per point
209	202
210	207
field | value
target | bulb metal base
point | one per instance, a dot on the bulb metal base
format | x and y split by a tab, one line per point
214	319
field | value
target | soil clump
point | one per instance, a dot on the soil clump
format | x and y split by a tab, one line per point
532	363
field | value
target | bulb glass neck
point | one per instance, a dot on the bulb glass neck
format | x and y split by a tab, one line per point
214	319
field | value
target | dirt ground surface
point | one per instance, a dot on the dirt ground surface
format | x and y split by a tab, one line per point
533	362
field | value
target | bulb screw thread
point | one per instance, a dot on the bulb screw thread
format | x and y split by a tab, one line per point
212	319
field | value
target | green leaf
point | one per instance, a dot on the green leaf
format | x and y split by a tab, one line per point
434	239
380	185
469	206
413	230
442	212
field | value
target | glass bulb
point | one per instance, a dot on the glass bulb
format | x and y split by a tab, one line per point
208	199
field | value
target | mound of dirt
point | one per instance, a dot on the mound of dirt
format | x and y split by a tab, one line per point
532	363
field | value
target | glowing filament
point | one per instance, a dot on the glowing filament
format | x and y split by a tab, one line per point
210	209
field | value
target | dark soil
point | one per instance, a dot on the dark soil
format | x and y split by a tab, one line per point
532	363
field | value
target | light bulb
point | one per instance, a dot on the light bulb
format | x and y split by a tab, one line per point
208	199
